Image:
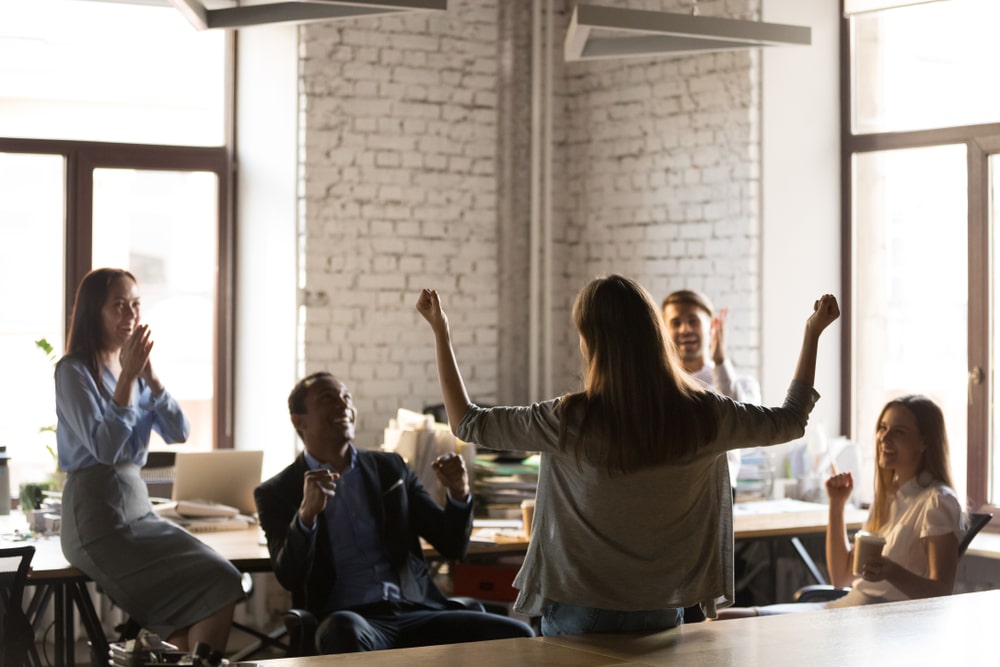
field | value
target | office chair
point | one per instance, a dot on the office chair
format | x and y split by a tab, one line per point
827	593
158	473
301	625
17	637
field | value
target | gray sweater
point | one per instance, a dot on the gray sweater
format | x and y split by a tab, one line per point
655	539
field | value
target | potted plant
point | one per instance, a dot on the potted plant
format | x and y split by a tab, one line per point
58	477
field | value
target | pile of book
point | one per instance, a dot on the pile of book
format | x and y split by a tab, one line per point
501	484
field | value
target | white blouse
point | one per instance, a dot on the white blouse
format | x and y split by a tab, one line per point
918	511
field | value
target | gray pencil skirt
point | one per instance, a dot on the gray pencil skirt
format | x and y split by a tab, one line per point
160	574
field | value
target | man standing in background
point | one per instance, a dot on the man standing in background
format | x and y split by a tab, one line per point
700	339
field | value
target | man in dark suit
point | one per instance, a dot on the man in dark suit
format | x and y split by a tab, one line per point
343	528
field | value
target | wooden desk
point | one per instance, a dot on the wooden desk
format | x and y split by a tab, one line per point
243	548
774	521
951	630
58	582
497	653
786	517
940	631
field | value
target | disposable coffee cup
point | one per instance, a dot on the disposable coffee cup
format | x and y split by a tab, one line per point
867	547
527	515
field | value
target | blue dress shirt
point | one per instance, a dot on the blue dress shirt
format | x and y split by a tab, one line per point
364	573
92	429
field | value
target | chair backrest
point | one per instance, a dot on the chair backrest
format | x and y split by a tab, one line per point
976	522
158	473
16	634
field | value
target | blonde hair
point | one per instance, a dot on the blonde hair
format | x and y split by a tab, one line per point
933	462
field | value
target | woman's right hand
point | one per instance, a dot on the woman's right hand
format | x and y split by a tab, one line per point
839	488
134	355
429	305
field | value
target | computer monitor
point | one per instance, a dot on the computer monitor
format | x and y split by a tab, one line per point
226	476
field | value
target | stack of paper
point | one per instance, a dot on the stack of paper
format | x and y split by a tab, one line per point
202	517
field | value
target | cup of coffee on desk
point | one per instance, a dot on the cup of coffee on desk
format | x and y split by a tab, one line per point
527	515
867	547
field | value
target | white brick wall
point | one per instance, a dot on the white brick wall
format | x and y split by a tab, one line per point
400	189
658	172
656	176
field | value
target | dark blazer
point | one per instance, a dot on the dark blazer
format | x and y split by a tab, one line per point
405	512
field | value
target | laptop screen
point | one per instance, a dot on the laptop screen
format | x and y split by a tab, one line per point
226	476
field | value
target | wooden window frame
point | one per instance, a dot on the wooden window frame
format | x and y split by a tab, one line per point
981	142
81	159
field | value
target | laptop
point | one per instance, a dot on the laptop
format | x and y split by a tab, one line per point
226	476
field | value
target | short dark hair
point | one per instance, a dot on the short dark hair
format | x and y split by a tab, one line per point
297	397
689	296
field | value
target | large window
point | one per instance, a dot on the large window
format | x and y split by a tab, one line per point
922	140
112	153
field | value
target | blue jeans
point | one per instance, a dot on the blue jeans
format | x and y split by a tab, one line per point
567	619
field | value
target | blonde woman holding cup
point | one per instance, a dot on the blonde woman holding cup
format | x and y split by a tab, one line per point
915	511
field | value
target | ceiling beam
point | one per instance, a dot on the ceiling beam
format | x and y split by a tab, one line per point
203	18
637	32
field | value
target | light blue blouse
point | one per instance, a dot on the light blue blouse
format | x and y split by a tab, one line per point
94	430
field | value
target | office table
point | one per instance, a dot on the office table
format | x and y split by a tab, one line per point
774	521
58	582
951	630
65	586
769	521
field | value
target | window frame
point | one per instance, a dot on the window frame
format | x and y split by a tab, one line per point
981	141
81	159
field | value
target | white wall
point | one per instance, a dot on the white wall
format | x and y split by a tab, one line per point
799	237
266	255
400	193
800	199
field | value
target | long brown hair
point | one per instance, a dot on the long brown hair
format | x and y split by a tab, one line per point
86	331
638	408
933	462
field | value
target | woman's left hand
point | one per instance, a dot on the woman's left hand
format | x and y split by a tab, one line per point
825	312
879	569
151	378
134	355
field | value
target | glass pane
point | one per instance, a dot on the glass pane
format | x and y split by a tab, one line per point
161	225
109	71
911	290
858	6
993	483
926	66
31	291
